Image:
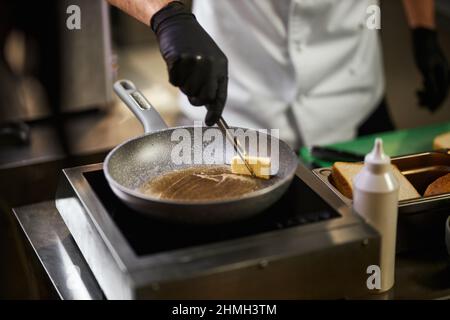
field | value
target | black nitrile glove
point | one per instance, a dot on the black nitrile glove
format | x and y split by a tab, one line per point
434	68
195	63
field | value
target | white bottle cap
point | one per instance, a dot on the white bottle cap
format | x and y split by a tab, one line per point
377	160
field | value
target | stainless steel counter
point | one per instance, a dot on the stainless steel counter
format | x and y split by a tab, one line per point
57	252
419	275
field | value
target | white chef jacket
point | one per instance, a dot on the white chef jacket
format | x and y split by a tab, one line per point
310	68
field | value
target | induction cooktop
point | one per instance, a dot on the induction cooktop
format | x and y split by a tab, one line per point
295	249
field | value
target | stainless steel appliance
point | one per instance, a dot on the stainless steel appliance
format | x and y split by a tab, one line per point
307	245
47	68
86	67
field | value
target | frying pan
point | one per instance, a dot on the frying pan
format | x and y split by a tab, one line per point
137	161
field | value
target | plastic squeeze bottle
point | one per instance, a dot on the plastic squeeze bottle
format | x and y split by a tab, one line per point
375	198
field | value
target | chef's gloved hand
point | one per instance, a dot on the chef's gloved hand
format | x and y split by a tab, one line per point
195	63
434	68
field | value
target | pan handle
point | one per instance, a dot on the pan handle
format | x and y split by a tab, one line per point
139	105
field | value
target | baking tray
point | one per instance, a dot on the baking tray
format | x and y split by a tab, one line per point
421	170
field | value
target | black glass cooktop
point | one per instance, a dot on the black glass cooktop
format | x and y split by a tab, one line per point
299	205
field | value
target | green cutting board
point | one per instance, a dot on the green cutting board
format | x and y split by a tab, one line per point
396	143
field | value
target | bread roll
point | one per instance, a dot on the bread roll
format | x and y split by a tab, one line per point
439	186
442	141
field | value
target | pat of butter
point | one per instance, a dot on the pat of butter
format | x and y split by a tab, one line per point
260	166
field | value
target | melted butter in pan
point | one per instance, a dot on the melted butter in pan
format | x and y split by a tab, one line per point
201	183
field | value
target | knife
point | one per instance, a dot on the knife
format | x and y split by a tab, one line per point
329	154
